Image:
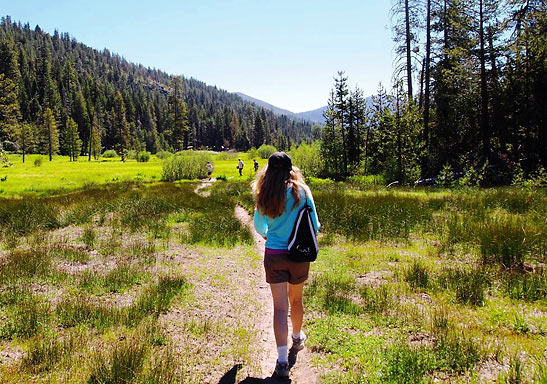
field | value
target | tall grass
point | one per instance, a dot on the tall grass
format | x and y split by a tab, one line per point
25	264
406	365
333	292
122	364
26	318
118	279
526	286
370	216
417	275
468	284
502	241
454	350
20	217
155	299
45	351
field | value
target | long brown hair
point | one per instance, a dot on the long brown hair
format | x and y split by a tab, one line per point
270	189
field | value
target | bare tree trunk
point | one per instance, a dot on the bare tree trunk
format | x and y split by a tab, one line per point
484	122
408	53
427	62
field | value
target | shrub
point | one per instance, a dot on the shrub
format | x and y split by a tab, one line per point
143	156
185	165
222	178
253	153
308	158
38	162
264	151
446	177
131	154
163	155
110	154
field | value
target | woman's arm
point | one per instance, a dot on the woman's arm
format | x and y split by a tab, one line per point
314	218
260	223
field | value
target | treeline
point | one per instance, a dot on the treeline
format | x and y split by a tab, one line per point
59	96
469	92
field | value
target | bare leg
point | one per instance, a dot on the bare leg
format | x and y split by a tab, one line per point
297	310
281	309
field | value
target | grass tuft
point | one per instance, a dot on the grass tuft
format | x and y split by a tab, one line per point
45	351
122	364
417	275
26	319
469	285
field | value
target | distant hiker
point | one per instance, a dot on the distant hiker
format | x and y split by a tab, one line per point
255	165
209	169
280	193
240	166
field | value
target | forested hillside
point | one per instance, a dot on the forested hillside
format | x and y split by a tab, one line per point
59	96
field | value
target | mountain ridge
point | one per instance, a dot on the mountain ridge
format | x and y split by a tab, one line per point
92	87
314	116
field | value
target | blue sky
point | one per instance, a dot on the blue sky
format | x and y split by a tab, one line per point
280	51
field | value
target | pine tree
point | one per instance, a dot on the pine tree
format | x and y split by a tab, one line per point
49	135
95	141
25	138
72	143
340	114
9	109
406	14
258	131
331	142
9	65
121	127
178	116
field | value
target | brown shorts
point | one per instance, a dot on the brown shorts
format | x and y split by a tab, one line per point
279	269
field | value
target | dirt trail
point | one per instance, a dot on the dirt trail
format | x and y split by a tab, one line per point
302	371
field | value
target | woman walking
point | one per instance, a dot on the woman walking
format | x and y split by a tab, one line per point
280	193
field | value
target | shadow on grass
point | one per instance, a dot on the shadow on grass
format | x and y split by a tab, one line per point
230	376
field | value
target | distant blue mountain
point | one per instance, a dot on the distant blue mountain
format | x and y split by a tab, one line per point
315	116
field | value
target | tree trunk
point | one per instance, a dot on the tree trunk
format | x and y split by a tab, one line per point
484	121
399	141
408	53
427	71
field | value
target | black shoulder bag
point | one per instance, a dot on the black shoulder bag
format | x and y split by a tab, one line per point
303	241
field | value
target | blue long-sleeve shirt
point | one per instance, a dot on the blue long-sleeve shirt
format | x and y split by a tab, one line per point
279	229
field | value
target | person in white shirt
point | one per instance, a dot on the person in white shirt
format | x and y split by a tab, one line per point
240	166
209	169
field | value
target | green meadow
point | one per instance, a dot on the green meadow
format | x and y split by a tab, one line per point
47	178
126	281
